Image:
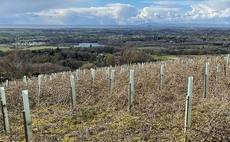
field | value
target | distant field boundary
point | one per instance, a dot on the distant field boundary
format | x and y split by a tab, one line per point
5	48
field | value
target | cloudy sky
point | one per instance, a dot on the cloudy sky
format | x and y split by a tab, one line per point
113	12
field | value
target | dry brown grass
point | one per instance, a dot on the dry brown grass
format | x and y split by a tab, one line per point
102	116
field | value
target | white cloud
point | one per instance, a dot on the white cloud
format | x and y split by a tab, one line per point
10	7
157	14
217	4
210	9
172	2
65	12
123	12
113	13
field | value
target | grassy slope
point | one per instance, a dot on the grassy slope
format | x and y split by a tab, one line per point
42	47
102	116
5	48
151	47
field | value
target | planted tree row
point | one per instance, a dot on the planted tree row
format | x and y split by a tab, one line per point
92	104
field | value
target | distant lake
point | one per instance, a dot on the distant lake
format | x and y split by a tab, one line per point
89	45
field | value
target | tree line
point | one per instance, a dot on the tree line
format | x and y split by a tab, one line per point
17	63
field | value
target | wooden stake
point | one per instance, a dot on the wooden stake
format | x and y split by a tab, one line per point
27	116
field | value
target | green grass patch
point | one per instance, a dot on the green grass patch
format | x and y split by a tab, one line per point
165	57
86	116
3	37
172	57
43	47
151	48
4	48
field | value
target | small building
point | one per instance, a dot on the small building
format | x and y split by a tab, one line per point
89	45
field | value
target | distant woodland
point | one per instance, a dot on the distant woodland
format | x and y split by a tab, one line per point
122	46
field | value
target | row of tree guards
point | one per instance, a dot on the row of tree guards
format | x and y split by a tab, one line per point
110	74
25	112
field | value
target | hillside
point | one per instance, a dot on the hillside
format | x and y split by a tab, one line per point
102	115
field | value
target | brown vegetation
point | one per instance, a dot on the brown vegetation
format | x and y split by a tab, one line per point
102	116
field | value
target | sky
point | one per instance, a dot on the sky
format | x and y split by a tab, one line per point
113	12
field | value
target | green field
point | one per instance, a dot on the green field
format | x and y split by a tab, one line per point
171	57
151	47
165	57
43	47
4	48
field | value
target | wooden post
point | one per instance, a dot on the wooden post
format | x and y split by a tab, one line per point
25	125
188	107
206	83
111	84
4	110
27	117
161	76
225	70
73	92
131	91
